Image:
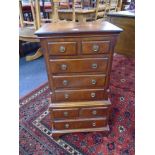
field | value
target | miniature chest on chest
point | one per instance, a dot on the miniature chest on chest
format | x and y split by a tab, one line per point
78	60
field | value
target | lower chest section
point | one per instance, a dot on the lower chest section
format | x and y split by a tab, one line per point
73	118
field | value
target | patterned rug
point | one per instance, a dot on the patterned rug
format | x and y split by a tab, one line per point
35	131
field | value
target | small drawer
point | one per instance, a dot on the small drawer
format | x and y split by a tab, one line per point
95	47
79	124
80	95
79	65
79	81
62	48
94	112
65	113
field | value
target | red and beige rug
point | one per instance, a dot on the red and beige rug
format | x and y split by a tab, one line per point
35	131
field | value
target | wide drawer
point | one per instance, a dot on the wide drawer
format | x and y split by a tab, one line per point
79	123
94	112
62	48
80	95
79	81
65	113
79	65
95	47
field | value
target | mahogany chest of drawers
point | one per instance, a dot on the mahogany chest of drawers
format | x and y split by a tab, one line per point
78	60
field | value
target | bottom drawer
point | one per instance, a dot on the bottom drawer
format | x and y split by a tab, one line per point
79	123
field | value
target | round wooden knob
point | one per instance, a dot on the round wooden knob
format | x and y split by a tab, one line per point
65	82
93	82
93	95
65	113
63	67
66	125
94	112
95	48
94	66
62	49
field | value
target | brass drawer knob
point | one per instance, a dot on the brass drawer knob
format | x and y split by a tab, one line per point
94	112
62	49
95	48
93	82
108	90
65	113
66	125
63	67
66	96
93	124
65	82
93	95
94	66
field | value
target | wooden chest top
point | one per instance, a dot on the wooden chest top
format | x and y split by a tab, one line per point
77	28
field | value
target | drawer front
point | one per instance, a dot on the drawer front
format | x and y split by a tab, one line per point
62	48
94	112
79	95
79	81
75	124
79	65
65	113
95	47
